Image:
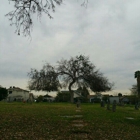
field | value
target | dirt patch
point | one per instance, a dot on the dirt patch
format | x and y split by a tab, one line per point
78	121
67	116
78	116
79	125
78	110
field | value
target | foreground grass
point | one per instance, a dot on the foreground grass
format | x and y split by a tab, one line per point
57	121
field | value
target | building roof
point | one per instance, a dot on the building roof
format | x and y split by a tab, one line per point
16	89
47	96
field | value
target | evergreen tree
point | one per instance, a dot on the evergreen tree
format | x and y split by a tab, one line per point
3	93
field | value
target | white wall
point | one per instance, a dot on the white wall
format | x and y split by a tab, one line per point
18	94
114	98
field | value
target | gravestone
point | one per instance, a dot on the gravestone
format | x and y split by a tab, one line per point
78	103
108	105
102	103
114	106
136	106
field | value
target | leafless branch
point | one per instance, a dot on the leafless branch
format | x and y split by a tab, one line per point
21	17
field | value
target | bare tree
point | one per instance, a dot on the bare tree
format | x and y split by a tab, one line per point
21	16
46	79
76	72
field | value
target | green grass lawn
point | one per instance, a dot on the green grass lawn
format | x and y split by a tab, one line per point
63	121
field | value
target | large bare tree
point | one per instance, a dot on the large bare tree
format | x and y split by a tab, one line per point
23	12
77	71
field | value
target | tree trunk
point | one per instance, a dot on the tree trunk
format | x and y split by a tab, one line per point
71	98
71	92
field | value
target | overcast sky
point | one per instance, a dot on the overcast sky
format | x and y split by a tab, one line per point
108	31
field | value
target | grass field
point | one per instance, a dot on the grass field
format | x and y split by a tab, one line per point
63	121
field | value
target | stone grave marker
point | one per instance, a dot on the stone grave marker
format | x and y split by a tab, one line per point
114	106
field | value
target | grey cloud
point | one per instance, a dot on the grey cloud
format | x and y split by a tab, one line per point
106	31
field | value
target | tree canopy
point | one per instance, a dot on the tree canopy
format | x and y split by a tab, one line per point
78	71
23	12
84	91
3	93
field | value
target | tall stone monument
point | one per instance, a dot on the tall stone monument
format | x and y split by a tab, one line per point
137	75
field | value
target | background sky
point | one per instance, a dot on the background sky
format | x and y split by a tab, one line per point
108	31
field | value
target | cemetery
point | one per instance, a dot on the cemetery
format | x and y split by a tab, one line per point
66	121
55	90
72	114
